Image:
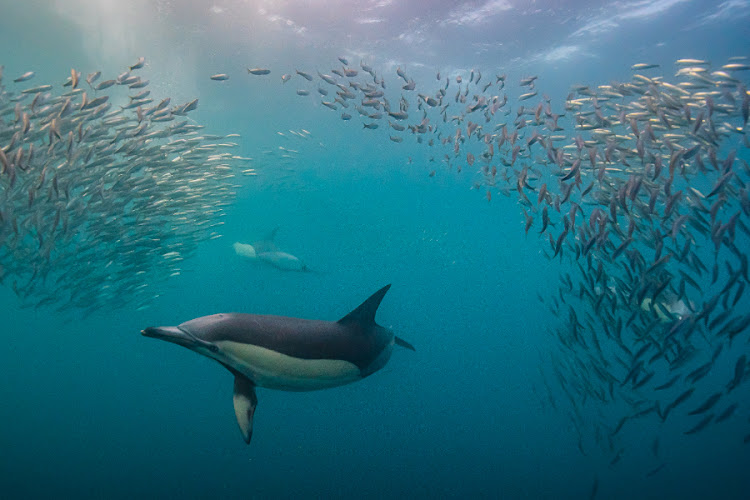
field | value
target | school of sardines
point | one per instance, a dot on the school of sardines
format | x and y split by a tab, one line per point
640	188
103	191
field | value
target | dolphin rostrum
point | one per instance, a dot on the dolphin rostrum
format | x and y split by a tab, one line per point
290	354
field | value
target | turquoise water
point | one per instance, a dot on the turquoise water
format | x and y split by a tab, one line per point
92	409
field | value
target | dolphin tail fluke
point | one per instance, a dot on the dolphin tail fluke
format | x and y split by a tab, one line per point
245	402
402	343
365	313
306	269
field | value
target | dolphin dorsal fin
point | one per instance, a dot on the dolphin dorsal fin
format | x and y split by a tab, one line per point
268	244
365	313
272	235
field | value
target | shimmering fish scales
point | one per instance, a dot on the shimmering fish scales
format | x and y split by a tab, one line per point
53	184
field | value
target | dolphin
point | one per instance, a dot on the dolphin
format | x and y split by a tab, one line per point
282	260
288	354
267	252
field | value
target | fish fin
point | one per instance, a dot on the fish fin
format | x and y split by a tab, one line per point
365	313
245	402
402	343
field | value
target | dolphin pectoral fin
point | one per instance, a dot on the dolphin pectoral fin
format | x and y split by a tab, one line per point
245	402
401	342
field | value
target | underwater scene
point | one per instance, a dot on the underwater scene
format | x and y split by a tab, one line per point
444	249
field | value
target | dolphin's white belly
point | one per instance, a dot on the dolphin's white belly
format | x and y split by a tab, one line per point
271	369
282	260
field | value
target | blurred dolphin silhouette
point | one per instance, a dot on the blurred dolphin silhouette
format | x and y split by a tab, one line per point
288	354
267	252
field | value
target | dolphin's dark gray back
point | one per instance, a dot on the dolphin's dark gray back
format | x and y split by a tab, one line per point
355	338
288	354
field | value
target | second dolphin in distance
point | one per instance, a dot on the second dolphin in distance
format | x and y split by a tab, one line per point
267	252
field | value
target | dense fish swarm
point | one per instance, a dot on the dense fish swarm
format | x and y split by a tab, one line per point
642	188
99	202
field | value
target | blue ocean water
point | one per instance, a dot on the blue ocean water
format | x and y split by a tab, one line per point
91	409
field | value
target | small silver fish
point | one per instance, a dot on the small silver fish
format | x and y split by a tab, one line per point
139	64
34	90
105	84
304	75
92	77
138	85
641	66
26	76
